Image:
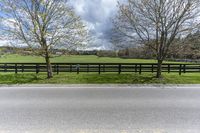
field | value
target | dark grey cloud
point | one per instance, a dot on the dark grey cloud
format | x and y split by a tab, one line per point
97	14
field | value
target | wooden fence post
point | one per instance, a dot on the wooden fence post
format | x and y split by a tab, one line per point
5	67
15	68
54	68
184	68
88	68
99	69
70	68
22	68
119	70
37	68
140	69
180	69
77	68
135	68
168	68
57	69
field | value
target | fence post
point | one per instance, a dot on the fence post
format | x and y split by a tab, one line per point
119	68
168	68
99	69
152	69
77	68
15	68
199	68
22	68
140	69
5	67
184	68
54	68
57	69
70	68
180	69
135	68
37	68
88	68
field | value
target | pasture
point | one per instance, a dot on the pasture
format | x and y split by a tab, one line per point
15	58
90	78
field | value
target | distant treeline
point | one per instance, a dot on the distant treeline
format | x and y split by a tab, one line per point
186	49
186	52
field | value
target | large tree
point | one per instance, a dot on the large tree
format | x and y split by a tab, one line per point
43	25
155	23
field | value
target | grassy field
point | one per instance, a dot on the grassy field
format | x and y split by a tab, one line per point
93	78
90	78
70	59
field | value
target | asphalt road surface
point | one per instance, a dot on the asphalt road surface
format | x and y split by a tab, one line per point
100	109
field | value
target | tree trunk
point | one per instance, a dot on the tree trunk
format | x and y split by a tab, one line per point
159	69
49	67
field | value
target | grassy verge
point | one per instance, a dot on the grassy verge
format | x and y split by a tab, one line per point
93	78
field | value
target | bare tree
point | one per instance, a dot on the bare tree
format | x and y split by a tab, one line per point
43	25
156	23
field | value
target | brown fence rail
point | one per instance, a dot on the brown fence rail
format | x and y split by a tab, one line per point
99	67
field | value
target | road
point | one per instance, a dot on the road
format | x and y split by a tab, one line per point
100	109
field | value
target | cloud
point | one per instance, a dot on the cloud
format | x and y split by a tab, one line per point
97	14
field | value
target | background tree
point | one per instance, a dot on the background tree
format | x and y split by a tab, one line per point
155	23
193	42
43	25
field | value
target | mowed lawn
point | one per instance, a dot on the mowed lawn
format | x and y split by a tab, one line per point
70	59
94	78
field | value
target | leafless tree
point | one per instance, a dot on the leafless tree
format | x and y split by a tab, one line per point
156	23
43	25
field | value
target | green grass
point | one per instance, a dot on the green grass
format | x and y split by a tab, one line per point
70	59
16	58
90	78
93	78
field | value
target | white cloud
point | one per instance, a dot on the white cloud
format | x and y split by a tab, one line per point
97	14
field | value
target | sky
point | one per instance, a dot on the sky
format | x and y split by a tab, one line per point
97	14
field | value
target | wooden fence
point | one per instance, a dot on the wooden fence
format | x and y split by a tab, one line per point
99	67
